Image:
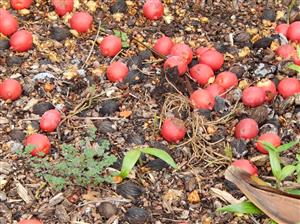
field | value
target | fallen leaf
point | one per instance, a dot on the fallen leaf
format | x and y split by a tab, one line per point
194	197
125	113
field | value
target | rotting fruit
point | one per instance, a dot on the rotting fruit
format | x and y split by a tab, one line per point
178	61
10	89
269	137
8	23
247	166
117	71
269	87
293	32
21	41
202	99
153	9
183	51
173	130
201	73
62	7
288	87
40	143
50	120
163	45
20	4
246	129
110	46
81	22
212	58
216	90
227	80
253	96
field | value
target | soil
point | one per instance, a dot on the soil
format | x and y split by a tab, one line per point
63	65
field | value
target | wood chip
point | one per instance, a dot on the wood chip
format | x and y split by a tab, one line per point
5	168
24	193
56	199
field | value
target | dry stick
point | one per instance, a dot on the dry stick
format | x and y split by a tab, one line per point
93	45
291	5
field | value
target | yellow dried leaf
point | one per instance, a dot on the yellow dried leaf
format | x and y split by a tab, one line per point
92	6
255	38
194	197
244	52
274	45
53	56
118	16
204	20
280	15
52	15
252	31
24	12
76	4
74	33
30	130
243	84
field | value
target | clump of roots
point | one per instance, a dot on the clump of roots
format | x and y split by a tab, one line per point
179	106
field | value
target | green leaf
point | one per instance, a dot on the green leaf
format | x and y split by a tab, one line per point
117	33
275	164
298	51
245	207
298	157
286	146
125	44
268	146
228	151
294	67
163	155
130	159
294	191
287	171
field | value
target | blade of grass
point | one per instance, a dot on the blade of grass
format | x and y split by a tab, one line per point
163	155
130	159
286	146
245	207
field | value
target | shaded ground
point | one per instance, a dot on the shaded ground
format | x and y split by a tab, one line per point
133	108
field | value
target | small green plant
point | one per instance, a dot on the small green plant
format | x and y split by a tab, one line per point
132	156
280	173
123	36
84	166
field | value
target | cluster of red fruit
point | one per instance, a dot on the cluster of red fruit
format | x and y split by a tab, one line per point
20	40
292	32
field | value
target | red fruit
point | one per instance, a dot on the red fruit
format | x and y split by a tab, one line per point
20	4
227	80
202	99
81	22
253	96
212	58
117	71
62	7
50	120
216	90
110	46
153	9
271	138
10	89
296	59
269	87
184	51
286	51
201	50
163	45
21	41
247	166
173	130
40	143
288	87
201	73
176	61
293	32
282	28
246	129
8	23
30	221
